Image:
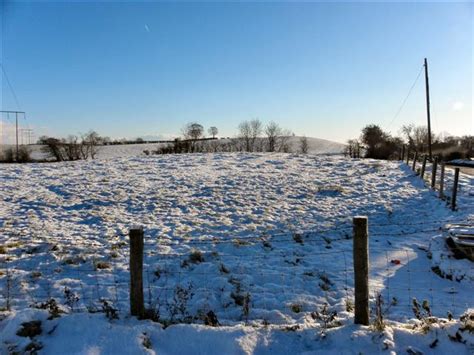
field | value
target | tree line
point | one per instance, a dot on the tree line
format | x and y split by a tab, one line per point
73	147
378	144
253	136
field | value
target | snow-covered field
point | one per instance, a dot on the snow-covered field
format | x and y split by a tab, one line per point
256	242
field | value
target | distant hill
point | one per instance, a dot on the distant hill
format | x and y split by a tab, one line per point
318	145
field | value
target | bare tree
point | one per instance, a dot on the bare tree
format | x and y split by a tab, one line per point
283	141
272	131
52	147
304	145
71	148
90	144
213	131
249	131
352	149
193	131
256	129
417	136
245	135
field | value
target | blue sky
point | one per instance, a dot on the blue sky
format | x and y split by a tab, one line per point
319	69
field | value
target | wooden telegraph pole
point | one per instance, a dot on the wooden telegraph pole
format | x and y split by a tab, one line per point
427	85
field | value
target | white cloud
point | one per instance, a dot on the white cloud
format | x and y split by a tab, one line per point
458	106
147	28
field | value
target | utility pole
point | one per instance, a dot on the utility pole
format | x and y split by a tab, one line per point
16	126
427	84
17	150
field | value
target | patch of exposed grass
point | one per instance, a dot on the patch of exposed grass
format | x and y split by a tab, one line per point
240	242
101	265
331	189
296	308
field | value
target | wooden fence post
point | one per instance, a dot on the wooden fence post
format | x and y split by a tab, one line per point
455	189
441	182
433	172
423	167
414	161
136	272
361	270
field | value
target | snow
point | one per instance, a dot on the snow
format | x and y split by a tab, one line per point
275	227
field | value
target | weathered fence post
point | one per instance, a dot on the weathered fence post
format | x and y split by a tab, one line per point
433	172
455	189
414	161
361	270
441	182
136	272
423	167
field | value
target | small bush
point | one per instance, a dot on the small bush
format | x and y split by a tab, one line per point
10	155
209	318
24	154
146	342
110	312
71	298
298	238
327	318
196	256
379	324
52	306
423	314
178	308
30	329
238	298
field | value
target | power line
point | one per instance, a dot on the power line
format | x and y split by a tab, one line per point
11	87
16	100
406	98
